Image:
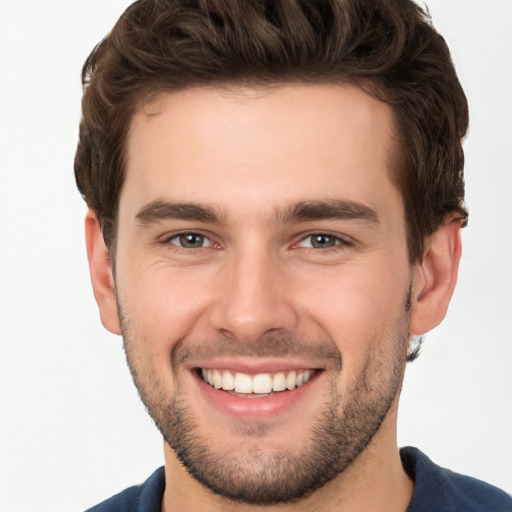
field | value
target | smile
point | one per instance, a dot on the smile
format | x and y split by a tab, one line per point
261	383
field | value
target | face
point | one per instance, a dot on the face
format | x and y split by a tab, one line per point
263	282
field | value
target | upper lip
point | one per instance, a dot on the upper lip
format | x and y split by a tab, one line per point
254	365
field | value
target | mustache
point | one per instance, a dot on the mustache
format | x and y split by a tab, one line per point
284	346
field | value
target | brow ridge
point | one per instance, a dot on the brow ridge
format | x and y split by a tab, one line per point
160	210
330	209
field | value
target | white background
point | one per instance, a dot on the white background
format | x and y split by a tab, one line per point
72	430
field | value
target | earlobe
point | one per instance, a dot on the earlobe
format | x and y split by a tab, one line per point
435	277
100	268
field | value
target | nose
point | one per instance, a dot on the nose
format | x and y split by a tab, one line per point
254	298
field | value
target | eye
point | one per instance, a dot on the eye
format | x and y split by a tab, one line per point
190	241
320	241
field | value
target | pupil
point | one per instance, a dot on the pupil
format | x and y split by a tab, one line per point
191	240
320	241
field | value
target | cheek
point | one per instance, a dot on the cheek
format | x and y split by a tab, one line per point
358	307
159	308
163	305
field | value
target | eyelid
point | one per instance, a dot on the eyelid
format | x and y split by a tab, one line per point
168	238
340	240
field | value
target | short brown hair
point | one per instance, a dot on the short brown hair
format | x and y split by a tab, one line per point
387	47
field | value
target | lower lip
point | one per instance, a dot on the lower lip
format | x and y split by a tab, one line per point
252	407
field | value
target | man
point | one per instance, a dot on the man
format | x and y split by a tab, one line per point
276	196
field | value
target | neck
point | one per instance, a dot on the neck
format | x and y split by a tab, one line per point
375	481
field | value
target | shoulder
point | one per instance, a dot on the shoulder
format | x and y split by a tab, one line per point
146	497
437	488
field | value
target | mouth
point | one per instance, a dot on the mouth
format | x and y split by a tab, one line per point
259	385
263	390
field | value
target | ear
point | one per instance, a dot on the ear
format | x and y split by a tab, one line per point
100	268
435	277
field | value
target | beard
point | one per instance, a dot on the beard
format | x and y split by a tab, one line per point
344	425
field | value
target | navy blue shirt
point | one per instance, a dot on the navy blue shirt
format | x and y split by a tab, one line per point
435	490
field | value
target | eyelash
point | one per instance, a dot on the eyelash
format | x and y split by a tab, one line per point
169	240
338	241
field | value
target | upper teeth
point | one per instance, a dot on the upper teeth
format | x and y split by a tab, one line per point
261	383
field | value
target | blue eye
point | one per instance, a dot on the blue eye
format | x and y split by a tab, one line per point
190	241
320	241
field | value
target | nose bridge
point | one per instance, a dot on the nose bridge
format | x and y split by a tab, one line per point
253	298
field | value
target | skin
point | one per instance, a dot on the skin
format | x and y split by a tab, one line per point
247	155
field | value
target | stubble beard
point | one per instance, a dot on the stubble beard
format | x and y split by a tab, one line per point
340	433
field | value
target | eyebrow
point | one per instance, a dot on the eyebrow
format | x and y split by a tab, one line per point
158	210
331	209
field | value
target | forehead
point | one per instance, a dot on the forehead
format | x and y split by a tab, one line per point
260	147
